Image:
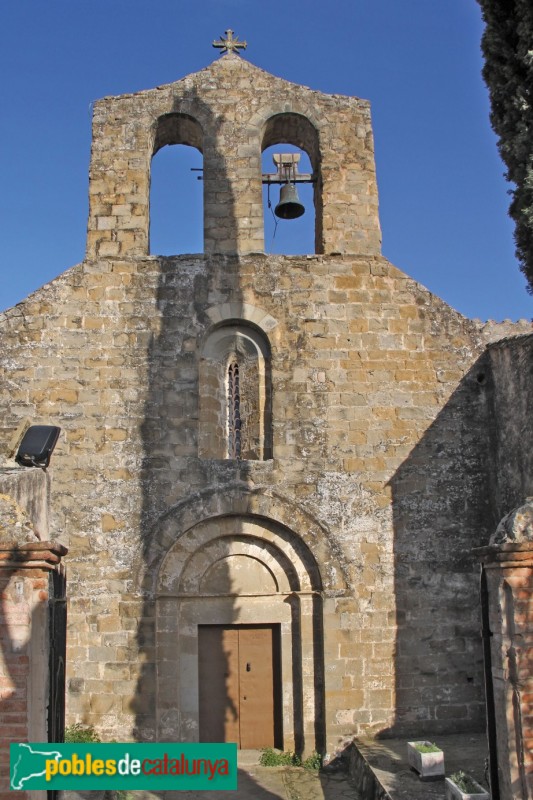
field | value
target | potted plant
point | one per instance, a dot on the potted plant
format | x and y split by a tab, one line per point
461	786
427	759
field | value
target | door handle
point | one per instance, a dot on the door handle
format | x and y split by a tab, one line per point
248	667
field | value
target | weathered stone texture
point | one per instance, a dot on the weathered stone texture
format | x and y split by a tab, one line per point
29	490
508	578
378	417
231	111
367	486
512	432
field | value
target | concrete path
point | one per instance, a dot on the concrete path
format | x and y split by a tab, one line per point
380	766
271	783
255	783
276	783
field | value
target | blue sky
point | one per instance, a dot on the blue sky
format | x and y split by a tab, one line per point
443	198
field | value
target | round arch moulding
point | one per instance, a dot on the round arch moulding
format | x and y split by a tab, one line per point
274	518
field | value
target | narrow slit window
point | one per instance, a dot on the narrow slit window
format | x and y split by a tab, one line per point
235	391
234	411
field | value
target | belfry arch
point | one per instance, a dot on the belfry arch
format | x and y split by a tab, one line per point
297	130
169	130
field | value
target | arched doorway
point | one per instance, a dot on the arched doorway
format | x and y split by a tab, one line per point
239	599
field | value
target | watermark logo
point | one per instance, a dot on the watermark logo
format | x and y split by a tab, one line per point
124	766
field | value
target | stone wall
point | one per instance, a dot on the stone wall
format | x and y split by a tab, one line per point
511	379
378	416
368	485
30	488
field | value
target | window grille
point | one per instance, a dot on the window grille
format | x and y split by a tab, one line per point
234	376
234	411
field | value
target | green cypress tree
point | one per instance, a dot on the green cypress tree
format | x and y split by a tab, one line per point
507	46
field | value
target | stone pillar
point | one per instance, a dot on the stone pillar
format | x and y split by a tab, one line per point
31	575
308	672
233	202
508	577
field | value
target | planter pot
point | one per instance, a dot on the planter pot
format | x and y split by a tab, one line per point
430	766
453	792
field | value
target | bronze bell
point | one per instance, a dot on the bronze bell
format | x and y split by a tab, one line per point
289	206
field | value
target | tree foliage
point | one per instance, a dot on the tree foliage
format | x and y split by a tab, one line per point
508	72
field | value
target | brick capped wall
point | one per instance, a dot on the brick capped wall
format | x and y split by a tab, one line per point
26	590
508	570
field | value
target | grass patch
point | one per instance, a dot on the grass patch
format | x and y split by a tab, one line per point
427	747
313	762
86	734
80	734
277	758
464	782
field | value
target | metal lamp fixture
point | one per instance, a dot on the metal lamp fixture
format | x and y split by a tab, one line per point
37	446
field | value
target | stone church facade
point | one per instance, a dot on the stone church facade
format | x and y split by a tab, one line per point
273	469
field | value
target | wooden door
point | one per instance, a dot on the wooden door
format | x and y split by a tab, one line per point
238	672
218	683
256	688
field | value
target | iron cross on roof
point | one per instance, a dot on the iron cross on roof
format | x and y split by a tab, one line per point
229	43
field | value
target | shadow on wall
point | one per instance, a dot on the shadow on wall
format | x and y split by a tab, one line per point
238	613
12	703
512	368
171	468
440	495
179	601
169	429
32	638
442	508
